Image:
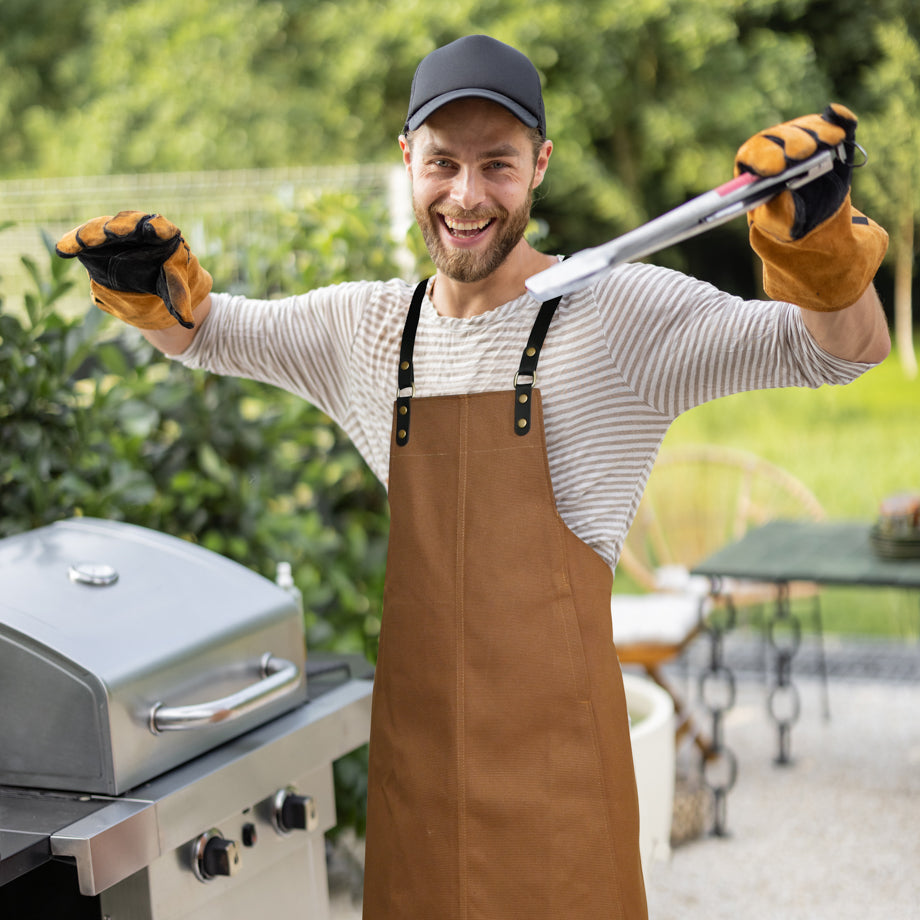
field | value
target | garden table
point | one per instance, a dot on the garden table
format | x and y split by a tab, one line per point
781	552
828	552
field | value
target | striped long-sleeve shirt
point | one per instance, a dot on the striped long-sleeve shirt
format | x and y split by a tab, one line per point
621	361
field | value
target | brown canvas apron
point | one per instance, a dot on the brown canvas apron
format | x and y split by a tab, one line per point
501	782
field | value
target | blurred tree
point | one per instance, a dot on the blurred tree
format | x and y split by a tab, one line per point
892	184
165	85
647	100
34	34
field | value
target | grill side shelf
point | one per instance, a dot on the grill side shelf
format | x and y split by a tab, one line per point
28	818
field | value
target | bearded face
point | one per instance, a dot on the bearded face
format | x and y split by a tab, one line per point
474	167
468	246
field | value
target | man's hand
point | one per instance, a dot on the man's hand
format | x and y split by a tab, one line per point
818	251
140	268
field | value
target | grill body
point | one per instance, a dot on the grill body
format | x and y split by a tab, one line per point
166	750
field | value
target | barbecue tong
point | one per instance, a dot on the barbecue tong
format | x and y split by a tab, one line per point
742	194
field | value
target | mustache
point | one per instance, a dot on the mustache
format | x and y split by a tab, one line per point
454	213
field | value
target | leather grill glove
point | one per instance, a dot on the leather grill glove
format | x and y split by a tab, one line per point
818	251
141	269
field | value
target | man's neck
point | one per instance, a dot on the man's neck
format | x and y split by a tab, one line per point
465	299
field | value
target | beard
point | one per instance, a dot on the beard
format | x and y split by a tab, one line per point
467	265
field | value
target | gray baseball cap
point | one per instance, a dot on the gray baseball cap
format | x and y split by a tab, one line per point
479	66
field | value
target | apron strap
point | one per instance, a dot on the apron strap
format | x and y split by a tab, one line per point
524	379
526	376
406	376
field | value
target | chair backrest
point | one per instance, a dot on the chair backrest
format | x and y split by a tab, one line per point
699	499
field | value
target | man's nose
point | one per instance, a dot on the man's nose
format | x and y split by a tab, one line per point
467	189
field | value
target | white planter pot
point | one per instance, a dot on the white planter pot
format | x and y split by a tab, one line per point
651	713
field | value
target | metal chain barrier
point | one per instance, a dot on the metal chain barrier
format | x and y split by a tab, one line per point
717	694
783	703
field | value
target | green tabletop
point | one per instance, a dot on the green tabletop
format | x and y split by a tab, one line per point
827	552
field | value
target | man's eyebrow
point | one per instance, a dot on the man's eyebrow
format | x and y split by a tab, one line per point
500	152
496	153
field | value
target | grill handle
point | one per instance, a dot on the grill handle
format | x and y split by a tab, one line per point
279	677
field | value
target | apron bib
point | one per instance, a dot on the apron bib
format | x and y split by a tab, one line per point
501	783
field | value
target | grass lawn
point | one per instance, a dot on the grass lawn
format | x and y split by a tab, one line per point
852	446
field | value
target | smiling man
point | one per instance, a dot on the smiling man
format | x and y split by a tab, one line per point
474	166
473	173
501	782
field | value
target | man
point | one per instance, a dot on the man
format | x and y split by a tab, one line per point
501	782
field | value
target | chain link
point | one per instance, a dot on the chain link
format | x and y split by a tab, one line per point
783	702
716	691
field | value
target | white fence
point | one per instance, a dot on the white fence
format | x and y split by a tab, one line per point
197	202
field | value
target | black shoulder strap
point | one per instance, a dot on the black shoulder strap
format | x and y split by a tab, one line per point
405	376
526	376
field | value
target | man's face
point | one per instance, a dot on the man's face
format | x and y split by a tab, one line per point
473	174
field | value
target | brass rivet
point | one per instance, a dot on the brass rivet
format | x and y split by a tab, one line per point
403	410
522	423
401	434
530	352
404	365
522	398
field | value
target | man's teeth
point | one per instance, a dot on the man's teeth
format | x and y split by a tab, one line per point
466	226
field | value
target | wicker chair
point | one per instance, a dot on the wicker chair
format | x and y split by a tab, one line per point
698	499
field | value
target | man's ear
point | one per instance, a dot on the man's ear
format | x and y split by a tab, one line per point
542	163
406	152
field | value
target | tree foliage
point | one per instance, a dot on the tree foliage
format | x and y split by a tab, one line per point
647	100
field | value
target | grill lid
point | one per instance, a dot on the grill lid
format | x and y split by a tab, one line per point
112	636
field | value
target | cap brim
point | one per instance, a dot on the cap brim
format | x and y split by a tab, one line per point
418	118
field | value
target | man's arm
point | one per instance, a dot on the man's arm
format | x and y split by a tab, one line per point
173	340
857	333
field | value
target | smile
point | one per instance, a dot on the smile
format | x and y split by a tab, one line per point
465	229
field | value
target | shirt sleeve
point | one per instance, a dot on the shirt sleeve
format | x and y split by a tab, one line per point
302	344
680	342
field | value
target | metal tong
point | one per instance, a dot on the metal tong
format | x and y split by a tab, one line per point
698	215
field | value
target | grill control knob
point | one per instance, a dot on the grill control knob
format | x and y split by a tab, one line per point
294	812
214	855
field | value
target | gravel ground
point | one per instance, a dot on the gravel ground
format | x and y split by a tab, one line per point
835	835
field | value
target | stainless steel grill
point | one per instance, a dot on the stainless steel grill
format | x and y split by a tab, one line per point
160	743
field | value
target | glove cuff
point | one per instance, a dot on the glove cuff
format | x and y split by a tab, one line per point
144	311
829	268
148	311
202	282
